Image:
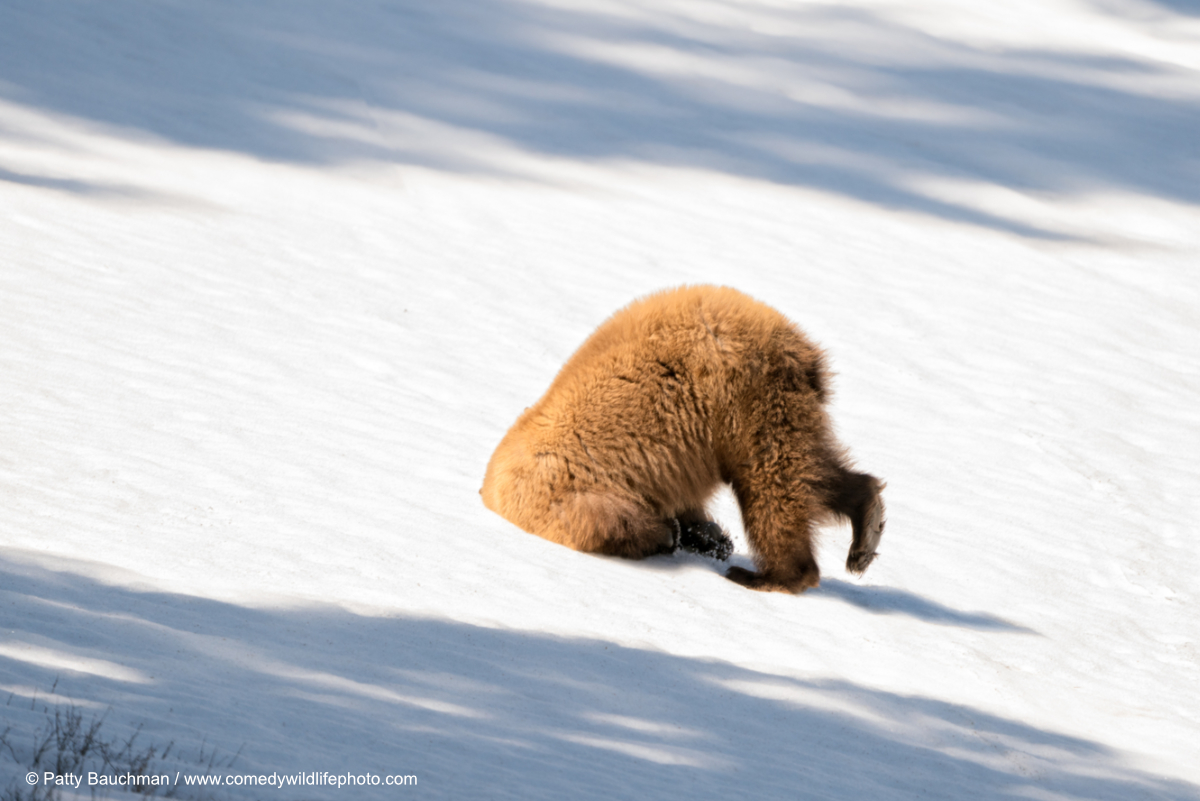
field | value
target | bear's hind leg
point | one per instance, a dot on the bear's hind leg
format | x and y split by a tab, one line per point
858	496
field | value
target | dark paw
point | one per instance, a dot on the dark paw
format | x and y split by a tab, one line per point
764	583
740	575
859	562
862	553
704	538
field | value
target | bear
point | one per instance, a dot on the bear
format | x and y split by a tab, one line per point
675	394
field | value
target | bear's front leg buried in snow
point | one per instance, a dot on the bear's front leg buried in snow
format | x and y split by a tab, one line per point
673	395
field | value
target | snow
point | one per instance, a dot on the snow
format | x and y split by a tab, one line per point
276	278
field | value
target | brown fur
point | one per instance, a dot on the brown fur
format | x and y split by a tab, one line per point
674	394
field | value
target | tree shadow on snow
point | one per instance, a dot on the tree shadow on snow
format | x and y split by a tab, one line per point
90	188
835	98
478	712
1186	7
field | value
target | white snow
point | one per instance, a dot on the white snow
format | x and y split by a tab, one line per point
276	277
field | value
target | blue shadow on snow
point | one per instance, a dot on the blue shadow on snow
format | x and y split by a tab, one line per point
398	80
481	712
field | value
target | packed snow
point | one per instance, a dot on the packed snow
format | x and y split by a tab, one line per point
276	277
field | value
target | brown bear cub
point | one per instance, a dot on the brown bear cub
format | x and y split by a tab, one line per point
674	394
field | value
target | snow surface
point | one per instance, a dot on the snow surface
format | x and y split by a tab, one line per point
277	276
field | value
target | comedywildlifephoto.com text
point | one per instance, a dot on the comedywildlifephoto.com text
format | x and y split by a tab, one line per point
140	782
